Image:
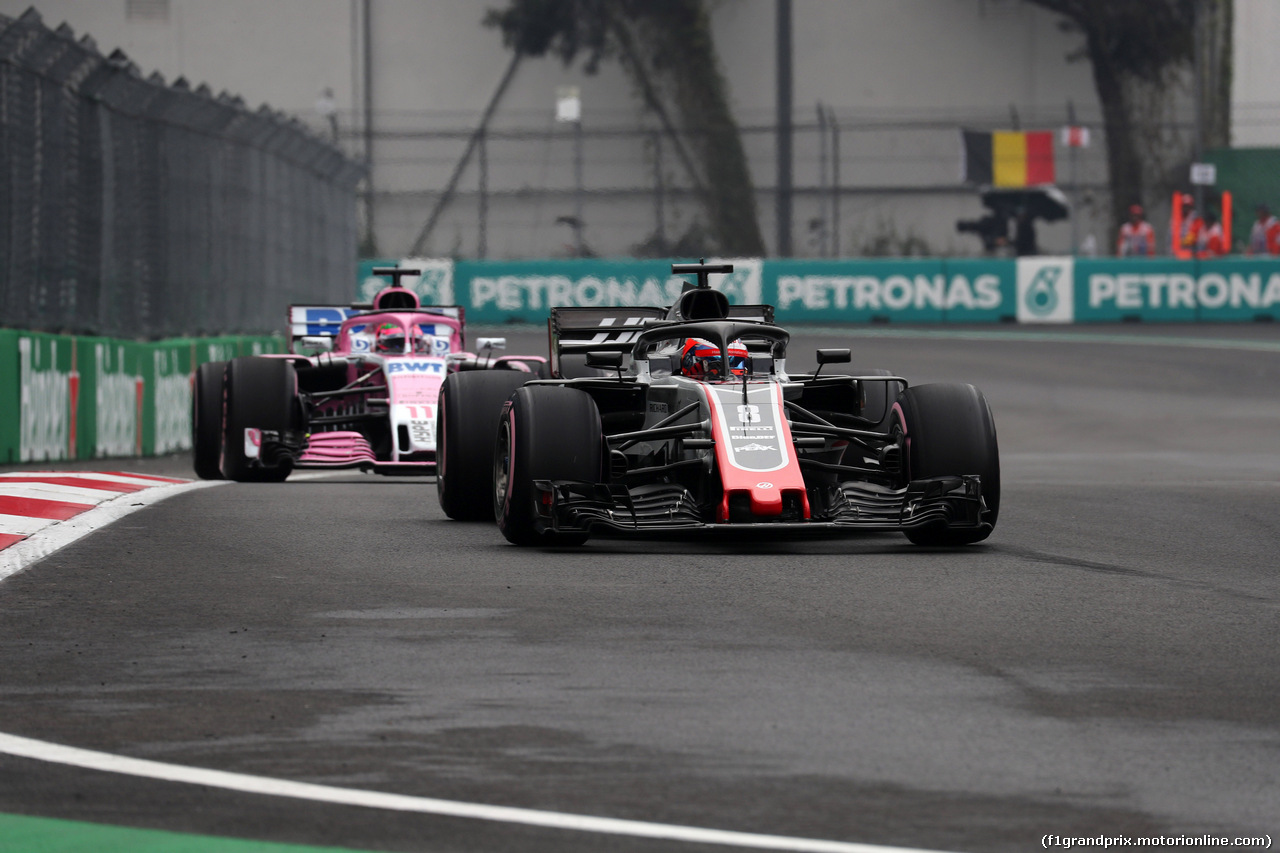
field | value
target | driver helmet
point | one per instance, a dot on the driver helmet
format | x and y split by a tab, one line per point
389	338
700	359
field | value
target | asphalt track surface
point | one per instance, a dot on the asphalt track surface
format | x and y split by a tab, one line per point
1106	664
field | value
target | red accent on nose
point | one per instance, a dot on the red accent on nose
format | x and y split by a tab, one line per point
766	501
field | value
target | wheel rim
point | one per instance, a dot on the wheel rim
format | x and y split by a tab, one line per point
501	468
898	431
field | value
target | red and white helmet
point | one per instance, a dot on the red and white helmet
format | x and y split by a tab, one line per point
389	338
700	359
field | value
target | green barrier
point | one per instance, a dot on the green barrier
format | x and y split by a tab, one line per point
111	397
1164	290
525	291
922	291
905	290
41	378
1044	289
10	393
980	290
1238	288
166	372
87	398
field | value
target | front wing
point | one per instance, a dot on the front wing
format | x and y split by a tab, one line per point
569	506
329	450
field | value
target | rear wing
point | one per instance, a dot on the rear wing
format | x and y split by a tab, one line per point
759	313
582	330
576	331
325	321
316	321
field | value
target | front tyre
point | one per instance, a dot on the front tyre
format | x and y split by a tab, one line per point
206	420
948	430
258	393
876	398
466	427
547	432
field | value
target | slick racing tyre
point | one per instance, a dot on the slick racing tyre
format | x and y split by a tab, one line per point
258	393
547	432
948	430
537	366
466	428
206	420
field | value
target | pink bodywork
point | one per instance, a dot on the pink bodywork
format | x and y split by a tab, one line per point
412	382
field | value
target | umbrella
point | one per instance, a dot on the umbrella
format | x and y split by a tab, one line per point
1043	202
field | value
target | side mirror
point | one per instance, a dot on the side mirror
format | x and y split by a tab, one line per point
834	356
316	343
490	344
605	360
462	361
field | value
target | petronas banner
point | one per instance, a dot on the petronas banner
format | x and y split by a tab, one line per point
1040	289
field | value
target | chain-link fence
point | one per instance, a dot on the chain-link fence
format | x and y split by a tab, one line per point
137	209
862	185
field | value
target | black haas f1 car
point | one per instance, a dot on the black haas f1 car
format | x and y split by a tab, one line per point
686	419
358	390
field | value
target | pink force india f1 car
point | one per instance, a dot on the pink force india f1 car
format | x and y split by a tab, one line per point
661	420
365	397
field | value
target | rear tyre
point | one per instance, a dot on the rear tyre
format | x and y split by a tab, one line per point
466	428
547	432
206	420
949	431
258	393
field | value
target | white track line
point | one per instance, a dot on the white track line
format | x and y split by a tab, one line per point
23	525
22	747
102	476
54	536
22	554
56	492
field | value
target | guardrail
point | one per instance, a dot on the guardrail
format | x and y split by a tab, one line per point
926	290
69	397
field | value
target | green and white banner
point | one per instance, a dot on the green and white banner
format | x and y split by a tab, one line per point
527	290
84	398
907	291
938	290
1225	289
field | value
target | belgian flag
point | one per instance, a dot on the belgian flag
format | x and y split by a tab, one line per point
1008	158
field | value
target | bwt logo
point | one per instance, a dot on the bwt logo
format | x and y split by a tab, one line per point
415	367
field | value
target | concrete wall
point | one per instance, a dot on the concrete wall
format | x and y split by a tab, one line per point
902	76
1255	84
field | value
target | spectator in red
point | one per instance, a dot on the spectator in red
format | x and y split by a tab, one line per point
1214	243
1264	239
1191	238
1137	237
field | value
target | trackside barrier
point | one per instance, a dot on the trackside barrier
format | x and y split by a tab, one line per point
1043	289
68	397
